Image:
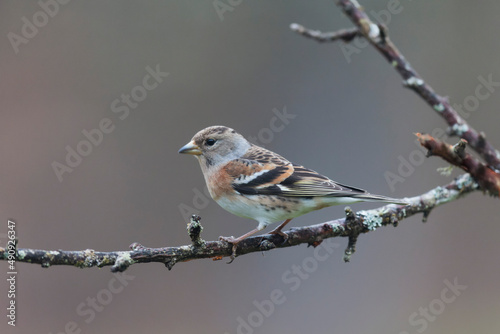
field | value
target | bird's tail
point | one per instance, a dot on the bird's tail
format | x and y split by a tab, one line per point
378	198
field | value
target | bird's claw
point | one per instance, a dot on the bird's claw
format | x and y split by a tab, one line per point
231	240
281	233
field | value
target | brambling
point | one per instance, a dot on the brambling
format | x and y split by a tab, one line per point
253	182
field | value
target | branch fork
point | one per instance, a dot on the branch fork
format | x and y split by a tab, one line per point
487	178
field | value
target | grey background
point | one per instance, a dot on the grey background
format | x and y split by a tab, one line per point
353	120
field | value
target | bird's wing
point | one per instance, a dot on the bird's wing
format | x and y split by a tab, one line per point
259	172
305	182
262	172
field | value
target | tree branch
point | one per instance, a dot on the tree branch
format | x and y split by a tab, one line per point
377	35
486	178
351	226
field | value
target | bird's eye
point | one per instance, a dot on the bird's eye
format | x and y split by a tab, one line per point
210	141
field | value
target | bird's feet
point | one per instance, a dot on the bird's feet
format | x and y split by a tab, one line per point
234	241
278	231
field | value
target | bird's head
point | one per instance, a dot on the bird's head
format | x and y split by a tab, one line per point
216	145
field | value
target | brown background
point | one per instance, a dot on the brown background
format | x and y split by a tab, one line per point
353	120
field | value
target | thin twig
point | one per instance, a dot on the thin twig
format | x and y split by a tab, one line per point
346	35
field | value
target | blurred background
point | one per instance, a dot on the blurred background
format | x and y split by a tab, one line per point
339	110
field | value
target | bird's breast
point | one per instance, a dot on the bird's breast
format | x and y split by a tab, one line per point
219	184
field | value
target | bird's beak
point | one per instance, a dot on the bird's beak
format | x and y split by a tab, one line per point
190	148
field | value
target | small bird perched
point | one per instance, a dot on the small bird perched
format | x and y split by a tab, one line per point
253	182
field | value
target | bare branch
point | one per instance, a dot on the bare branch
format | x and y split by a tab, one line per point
377	35
351	226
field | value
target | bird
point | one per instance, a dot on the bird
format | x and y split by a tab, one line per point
255	183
